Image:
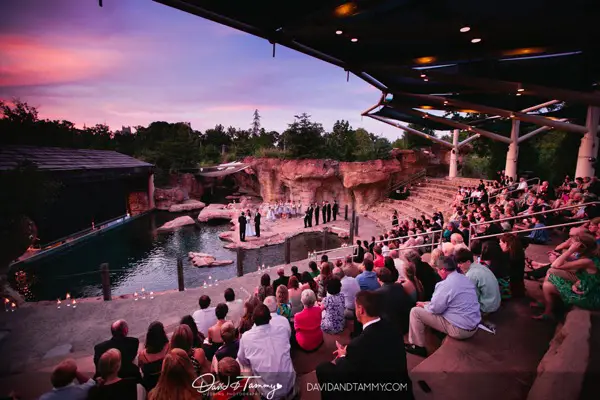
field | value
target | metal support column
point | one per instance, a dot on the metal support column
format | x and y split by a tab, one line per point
512	156
454	155
588	150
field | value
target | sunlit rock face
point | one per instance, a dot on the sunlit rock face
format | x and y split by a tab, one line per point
182	187
317	180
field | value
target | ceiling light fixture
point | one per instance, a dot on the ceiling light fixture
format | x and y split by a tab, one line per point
354	40
476	40
465	29
338	32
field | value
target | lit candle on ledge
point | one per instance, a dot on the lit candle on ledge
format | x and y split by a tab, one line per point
204	284
67	297
58	303
74	303
13	307
151	295
143	294
216	282
6	301
135	296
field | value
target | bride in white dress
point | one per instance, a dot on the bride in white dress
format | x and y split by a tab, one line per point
249	225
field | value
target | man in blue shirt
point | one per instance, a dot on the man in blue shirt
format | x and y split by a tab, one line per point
453	309
367	280
63	378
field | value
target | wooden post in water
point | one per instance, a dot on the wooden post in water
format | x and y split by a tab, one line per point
356	225
346	213
105	282
240	262
180	283
288	252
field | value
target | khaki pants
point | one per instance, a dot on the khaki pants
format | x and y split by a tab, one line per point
421	319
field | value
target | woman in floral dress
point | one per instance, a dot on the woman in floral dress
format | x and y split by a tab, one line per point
576	282
333	307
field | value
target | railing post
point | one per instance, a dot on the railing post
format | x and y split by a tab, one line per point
240	263
356	225
105	282
346	213
180	283
287	250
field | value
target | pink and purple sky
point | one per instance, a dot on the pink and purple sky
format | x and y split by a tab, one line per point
136	61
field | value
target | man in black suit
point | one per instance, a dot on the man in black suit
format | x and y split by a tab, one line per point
310	215
359	253
128	346
336	208
242	223
396	304
317	215
306	218
328	212
377	355
257	223
324	211
282	280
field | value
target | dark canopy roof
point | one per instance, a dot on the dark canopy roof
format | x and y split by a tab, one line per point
55	159
416	46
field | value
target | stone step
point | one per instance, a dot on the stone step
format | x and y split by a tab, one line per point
448	191
428	194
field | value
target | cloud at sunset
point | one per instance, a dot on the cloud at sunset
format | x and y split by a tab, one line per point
136	61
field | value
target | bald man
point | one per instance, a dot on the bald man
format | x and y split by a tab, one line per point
128	346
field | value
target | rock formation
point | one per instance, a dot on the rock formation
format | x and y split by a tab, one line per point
187	205
201	260
216	211
177	223
318	180
182	188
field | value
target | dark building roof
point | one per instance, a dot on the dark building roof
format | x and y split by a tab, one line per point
58	159
515	54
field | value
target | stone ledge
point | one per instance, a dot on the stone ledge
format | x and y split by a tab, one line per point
561	372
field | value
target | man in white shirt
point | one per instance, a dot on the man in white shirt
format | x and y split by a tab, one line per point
266	353
522	185
398	263
349	289
278	322
236	307
205	317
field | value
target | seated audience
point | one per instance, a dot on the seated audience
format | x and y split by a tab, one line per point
198	337
314	270
322	279
277	321
283	302
396	304
265	289
214	332
308	282
425	274
349	289
294	294
577	282
333	306
231	344
458	241
358	363
110	386
398	263
389	264
295	273
359	253
453	309
448	249
183	339
177	378
367	279
205	316
434	256
63	377
235	306
267	354
127	346
486	285
379	260
411	284
232	381
493	258
307	323
540	236
150	358
281	280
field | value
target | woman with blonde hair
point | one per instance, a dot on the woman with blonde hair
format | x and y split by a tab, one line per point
183	339
435	255
110	386
176	378
578	283
283	305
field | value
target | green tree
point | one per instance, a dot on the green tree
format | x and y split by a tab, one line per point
341	141
255	123
303	138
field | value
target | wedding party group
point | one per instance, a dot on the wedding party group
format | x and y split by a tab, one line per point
282	210
325	210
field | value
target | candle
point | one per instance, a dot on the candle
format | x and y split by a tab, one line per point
143	293
135	296
13	307
6	301
58	302
204	284
74	303
216	282
151	295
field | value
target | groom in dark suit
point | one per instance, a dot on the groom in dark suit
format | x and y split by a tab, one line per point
317	215
324	212
242	223
375	356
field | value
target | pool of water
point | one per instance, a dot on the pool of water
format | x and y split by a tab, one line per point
139	257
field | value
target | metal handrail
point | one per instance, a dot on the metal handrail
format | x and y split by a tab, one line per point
516	190
408	180
531	230
82	232
410	236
